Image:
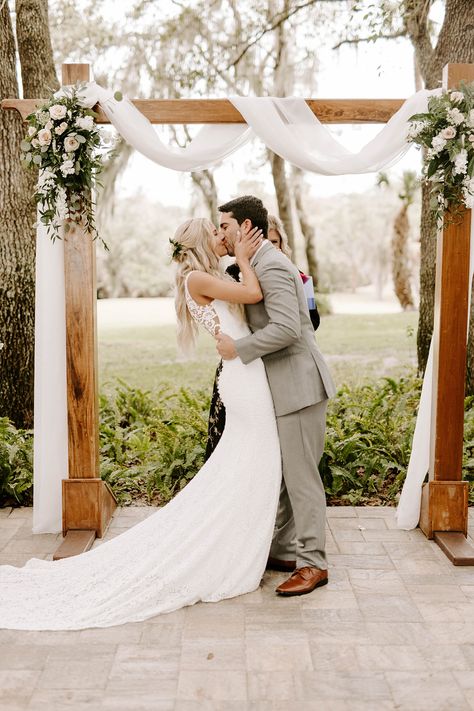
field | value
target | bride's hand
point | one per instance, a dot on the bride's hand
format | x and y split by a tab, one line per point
247	244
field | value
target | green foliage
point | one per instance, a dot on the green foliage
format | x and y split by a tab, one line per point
153	443
369	434
16	465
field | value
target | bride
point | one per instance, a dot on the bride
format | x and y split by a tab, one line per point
212	540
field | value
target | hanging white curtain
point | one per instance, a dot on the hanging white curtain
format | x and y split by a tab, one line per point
289	128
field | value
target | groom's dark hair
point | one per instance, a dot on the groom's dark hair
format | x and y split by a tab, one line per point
250	208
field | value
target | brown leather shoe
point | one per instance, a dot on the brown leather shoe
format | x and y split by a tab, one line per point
303	581
286	566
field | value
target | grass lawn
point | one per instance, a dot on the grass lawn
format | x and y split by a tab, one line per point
358	348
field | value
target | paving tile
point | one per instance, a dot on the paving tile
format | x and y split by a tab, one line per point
412	550
145	661
60	674
358	523
388	608
366	686
271	685
361	561
399	633
14	700
64	700
420	565
162	635
128	633
376	511
389	657
212	686
348	534
22	512
135	701
446	657
212	654
425	691
341	512
333	657
439	612
329	599
18	680
20	656
5	511
279	654
377	581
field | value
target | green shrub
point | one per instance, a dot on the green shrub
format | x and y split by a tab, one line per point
368	442
152	444
16	465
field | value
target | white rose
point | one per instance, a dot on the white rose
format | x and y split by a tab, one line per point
460	162
471	138
35	143
49	125
470	119
457	96
67	168
438	143
61	128
70	144
86	123
58	111
44	137
455	116
448	132
31	130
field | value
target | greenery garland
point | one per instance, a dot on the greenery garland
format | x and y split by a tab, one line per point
63	141
446	132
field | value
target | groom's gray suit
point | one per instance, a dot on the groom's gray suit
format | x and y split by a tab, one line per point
300	382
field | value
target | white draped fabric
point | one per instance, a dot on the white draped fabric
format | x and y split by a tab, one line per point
289	128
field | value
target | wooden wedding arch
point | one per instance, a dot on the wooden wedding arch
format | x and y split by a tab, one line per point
88	503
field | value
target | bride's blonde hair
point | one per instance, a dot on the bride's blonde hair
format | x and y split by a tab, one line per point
193	250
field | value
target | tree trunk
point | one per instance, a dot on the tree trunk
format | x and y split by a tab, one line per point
400	269
17	209
306	229
283	196
456	45
204	180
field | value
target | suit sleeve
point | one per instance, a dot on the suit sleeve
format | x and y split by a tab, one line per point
281	305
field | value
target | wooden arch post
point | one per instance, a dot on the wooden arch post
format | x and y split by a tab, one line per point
444	511
88	502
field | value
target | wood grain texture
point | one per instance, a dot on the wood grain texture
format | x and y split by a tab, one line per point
458	549
450	328
88	504
74	543
192	111
444	507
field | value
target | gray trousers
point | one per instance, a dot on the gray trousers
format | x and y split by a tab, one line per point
300	531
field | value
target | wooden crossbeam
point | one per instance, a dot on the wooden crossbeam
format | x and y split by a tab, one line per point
188	111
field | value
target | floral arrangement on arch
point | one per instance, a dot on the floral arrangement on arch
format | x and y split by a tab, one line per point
446	131
63	141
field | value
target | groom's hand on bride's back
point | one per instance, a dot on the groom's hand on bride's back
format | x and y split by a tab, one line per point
225	346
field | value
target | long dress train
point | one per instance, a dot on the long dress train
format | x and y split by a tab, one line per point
209	543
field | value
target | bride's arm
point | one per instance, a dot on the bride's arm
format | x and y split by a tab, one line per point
203	286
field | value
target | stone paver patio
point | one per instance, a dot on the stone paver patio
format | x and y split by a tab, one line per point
394	629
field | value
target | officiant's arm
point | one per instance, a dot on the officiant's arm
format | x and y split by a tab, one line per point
281	305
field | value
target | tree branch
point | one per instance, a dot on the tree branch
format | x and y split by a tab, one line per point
282	17
371	38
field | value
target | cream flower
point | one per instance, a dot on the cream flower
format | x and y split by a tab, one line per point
438	143
70	144
460	162
31	130
448	132
67	168
455	116
58	111
457	96
61	128
470	119
44	137
86	123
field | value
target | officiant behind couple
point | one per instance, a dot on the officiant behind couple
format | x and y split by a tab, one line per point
238	515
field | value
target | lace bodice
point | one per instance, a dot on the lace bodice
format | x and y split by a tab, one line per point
205	315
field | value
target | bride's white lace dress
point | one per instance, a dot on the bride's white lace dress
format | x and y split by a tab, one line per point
210	542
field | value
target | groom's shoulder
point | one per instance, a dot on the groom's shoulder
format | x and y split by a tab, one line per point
273	258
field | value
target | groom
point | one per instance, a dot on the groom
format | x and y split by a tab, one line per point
300	382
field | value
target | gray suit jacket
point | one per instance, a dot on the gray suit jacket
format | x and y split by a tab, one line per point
282	335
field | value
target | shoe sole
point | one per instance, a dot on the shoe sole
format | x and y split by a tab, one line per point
303	592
